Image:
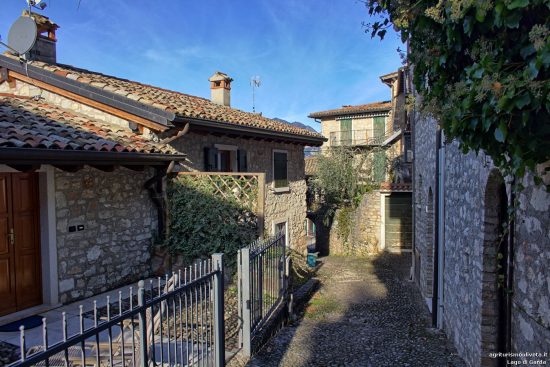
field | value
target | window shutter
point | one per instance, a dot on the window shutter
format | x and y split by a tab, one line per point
242	163
210	159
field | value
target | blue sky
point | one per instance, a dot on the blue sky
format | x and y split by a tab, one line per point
311	55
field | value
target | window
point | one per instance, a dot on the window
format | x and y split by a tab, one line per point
280	169
281	227
225	158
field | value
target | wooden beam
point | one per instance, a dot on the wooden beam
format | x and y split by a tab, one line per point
68	168
134	168
106	168
24	167
100	106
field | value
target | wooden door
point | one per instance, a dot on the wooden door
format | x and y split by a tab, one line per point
398	221
20	271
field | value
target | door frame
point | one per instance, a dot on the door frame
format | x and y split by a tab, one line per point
274	227
47	237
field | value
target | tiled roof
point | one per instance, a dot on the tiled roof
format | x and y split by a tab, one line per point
30	123
183	105
347	110
310	165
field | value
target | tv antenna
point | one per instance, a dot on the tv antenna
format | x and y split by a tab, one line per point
255	82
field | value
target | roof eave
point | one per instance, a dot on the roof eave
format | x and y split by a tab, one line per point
346	113
114	100
224	127
23	156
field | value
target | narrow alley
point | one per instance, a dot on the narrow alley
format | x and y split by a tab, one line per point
365	313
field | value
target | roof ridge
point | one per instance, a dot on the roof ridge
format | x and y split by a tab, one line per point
78	69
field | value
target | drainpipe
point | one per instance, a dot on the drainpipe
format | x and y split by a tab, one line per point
156	193
510	269
435	228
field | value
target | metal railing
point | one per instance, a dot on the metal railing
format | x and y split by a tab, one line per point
262	287
359	137
175	321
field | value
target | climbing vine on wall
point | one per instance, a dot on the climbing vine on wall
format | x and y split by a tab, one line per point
482	69
203	222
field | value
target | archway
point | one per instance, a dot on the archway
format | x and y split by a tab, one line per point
495	257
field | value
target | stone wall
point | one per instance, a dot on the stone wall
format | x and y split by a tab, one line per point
119	222
364	236
424	177
531	314
289	206
470	250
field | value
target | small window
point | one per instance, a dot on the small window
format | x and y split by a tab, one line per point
280	169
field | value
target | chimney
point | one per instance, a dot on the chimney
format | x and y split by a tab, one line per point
45	47
220	88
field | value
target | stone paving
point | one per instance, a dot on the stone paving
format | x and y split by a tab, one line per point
366	313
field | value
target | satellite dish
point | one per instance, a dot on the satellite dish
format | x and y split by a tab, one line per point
22	35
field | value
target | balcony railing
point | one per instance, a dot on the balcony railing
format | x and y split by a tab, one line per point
363	137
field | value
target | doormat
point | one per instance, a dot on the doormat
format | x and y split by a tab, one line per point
29	323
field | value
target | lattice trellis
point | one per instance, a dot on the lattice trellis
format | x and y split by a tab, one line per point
246	188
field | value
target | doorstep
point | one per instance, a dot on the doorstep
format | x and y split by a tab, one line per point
26	313
54	317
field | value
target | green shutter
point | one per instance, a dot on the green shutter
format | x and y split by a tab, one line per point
345	131
378	128
379	166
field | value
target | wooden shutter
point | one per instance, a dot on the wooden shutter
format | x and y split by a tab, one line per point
280	169
345	131
379	166
242	162
378	126
210	159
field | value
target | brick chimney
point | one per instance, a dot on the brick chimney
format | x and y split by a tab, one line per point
220	88
45	47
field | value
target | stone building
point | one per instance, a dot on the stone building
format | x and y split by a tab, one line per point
378	133
460	206
83	162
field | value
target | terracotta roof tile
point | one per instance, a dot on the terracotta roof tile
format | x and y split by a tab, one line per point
29	123
310	165
347	110
183	105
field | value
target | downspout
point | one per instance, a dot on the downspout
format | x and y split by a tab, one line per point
156	193
510	268
435	256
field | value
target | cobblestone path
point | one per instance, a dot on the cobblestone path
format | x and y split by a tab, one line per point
366	313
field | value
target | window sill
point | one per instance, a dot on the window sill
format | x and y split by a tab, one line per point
279	190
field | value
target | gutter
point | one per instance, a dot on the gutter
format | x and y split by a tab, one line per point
224	127
87	91
65	156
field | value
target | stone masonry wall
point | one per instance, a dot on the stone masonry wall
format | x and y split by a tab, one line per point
287	206
468	260
364	238
424	182
531	301
119	221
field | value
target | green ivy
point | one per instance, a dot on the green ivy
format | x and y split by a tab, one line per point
482	68
202	223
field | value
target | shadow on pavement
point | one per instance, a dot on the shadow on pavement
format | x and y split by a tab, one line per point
366	313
